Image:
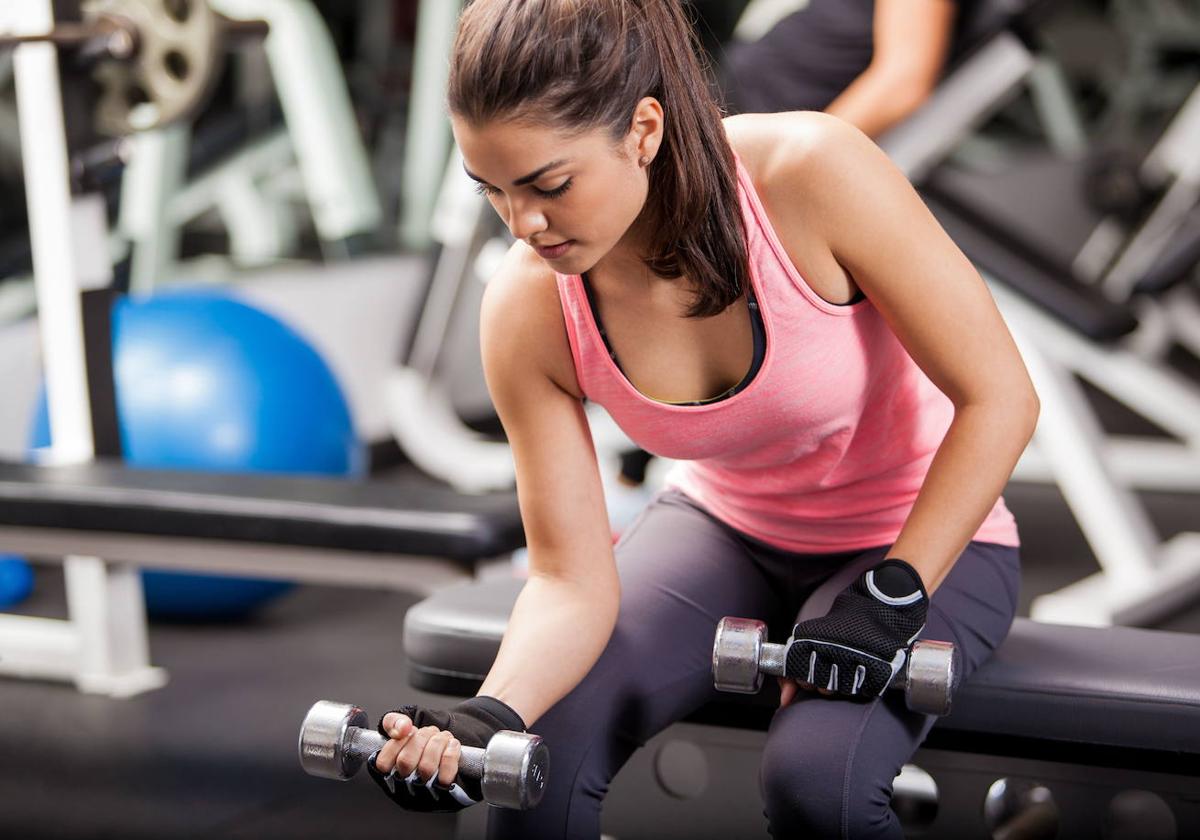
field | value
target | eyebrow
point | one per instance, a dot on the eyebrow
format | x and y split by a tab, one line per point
526	179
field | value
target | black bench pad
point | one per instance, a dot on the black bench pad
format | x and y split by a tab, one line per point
1119	687
1034	276
410	514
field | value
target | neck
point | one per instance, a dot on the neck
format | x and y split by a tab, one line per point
624	266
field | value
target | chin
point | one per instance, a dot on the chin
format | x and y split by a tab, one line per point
572	264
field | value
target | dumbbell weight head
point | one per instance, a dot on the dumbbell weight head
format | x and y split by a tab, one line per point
930	678
336	740
737	654
513	770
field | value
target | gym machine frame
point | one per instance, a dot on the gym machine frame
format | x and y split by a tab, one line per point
103	646
1141	578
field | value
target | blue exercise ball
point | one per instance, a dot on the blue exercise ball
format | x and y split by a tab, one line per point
16	581
207	382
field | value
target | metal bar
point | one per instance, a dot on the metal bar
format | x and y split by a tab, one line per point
1141	463
1069	437
428	141
316	104
402	572
973	92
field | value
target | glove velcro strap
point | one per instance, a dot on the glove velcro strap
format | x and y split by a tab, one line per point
895	583
495	712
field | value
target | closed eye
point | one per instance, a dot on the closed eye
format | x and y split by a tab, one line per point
557	191
488	190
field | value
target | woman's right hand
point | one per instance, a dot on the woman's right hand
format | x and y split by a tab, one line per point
431	752
787	691
418	765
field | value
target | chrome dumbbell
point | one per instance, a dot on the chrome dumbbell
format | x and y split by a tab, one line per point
336	740
742	656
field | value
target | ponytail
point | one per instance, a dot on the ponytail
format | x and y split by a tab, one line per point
585	64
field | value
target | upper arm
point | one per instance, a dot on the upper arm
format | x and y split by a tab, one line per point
911	41
530	377
876	227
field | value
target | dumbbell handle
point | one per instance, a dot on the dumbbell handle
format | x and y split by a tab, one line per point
361	743
772	660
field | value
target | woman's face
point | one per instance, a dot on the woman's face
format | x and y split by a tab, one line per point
573	198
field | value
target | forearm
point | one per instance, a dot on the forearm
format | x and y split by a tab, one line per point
557	631
874	102
967	475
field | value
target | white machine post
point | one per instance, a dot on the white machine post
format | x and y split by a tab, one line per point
1141	578
427	144
103	647
316	104
422	418
155	173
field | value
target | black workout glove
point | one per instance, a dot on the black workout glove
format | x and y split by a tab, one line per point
859	647
473	722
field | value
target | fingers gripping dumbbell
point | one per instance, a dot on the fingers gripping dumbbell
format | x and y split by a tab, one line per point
742	656
336	740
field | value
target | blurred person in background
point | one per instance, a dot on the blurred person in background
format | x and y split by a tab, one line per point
870	62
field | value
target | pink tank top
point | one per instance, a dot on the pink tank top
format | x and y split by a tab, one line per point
825	449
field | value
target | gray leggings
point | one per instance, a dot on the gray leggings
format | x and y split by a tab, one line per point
828	765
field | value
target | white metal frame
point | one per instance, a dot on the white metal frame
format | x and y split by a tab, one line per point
155	172
428	140
320	118
422	419
103	646
321	139
1141	578
1116	261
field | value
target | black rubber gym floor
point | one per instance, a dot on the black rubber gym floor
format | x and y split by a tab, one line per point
213	754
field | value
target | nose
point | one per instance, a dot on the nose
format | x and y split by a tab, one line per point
525	220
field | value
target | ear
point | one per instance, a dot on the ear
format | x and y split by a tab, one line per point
646	129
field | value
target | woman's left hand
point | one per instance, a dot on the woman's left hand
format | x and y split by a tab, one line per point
858	648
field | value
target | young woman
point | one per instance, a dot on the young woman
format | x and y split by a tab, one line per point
766	300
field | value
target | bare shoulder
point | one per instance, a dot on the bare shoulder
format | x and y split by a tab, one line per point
811	168
521	322
796	148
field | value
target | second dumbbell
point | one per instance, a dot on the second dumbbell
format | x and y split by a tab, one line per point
335	741
742	656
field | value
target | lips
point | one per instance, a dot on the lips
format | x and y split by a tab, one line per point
553	251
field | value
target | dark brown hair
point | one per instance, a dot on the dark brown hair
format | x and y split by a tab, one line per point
585	64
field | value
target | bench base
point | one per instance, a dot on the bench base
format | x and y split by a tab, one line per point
692	782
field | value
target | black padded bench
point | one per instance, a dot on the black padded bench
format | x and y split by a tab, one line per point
319	529
1091	714
1028	272
408	534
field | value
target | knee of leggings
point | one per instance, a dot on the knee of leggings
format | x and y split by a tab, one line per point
804	795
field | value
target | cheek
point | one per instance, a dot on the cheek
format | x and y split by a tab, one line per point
610	208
